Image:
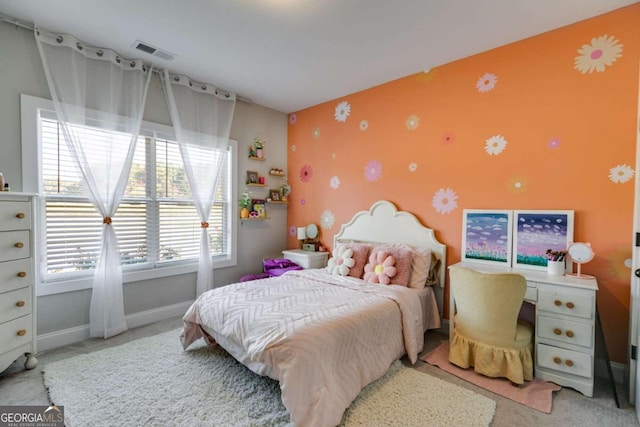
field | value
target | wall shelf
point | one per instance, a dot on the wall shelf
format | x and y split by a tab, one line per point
262	159
256	185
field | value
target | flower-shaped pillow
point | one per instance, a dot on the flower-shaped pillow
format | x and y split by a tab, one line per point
341	262
380	268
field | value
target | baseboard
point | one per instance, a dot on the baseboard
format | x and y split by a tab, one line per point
80	333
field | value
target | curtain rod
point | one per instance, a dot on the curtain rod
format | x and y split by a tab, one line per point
157	71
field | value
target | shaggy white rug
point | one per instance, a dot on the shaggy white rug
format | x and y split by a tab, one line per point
153	382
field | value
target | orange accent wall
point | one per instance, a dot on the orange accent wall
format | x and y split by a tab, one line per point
570	144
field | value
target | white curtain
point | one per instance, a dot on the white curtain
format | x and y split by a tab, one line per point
90	88
201	117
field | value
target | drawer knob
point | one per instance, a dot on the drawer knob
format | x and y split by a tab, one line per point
570	305
557	331
569	362
22	274
557	360
19	245
22	332
558	302
20	215
569	334
20	304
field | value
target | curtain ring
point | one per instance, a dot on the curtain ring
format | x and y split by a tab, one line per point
176	78
106	220
133	64
79	46
118	59
59	39
203	87
99	52
204	224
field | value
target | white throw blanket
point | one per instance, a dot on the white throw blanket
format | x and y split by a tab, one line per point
324	337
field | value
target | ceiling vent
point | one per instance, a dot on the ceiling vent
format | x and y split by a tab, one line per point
147	48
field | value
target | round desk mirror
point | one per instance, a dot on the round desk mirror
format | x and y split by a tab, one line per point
580	253
312	231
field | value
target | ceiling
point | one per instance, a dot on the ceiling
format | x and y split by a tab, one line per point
291	54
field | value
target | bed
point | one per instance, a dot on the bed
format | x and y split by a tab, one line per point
326	336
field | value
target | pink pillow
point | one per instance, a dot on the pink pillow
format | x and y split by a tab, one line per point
380	268
403	256
360	256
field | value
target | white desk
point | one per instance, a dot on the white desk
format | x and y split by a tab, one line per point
565	324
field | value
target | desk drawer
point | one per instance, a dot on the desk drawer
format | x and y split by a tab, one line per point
576	303
16	333
15	215
559	359
565	331
15	304
14	245
15	274
531	294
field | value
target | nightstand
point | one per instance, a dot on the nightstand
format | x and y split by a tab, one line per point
307	259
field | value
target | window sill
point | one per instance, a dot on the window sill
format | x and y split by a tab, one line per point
79	284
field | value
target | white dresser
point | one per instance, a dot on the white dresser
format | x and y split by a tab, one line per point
565	325
307	259
17	280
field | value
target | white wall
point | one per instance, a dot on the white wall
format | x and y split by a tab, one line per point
21	72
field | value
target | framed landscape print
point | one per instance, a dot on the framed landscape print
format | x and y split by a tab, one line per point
486	236
534	232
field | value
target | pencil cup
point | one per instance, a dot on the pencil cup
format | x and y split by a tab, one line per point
555	268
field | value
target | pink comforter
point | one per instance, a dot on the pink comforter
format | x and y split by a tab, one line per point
323	337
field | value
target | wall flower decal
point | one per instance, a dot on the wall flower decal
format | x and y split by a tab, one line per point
306	172
495	145
327	219
342	111
427	75
292	231
602	52
412	122
364	125
621	174
553	143
486	83
413	167
444	201
448	138
315	133
293	118
334	182
517	184
373	170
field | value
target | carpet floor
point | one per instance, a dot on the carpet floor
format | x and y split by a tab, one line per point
152	381
536	394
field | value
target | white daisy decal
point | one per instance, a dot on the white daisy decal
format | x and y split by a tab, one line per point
486	83
444	201
327	219
621	174
412	122
495	145
413	167
293	147
364	125
603	51
315	133
342	111
334	182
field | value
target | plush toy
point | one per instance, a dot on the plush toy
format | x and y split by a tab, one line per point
380	268
341	261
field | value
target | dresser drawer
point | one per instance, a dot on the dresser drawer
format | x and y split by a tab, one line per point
16	333
14	245
559	359
577	303
15	215
531	294
15	304
16	274
565	331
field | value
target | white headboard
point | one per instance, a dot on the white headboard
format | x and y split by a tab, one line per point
383	223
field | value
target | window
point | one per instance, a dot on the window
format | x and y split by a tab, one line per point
157	224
